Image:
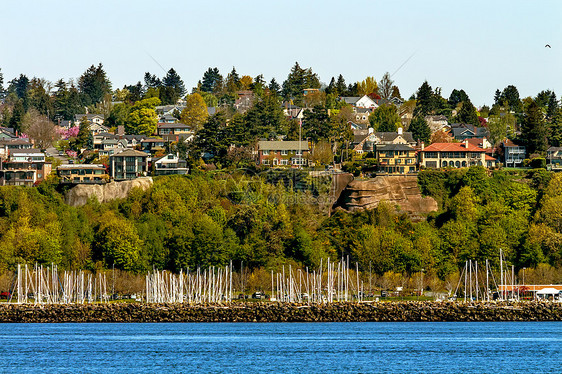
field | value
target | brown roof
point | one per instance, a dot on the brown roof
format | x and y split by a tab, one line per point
130	153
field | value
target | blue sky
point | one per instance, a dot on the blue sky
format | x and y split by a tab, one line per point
478	46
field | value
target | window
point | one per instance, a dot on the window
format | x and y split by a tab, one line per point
284	153
265	153
285	162
265	162
299	153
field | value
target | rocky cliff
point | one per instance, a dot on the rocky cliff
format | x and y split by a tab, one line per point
402	191
79	195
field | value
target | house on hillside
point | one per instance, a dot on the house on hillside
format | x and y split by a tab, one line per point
82	174
454	155
365	140
513	154
128	164
360	102
462	131
173	132
396	158
170	164
9	145
24	167
282	153
554	157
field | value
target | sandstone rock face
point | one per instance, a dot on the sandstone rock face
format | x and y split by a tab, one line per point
79	195
402	191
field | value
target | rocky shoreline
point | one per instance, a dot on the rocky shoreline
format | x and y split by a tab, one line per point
410	311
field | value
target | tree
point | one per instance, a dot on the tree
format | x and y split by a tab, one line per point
40	129
274	87
84	139
386	86
425	103
457	97
19	86
552	107
66	101
195	112
93	85
420	129
212	81
555	130
1	85
232	81
174	82
467	114
499	126
534	130
316	124
341	87
367	86
142	118
118	243
510	96
16	120
385	118
247	82
297	80
265	119
322	153
151	81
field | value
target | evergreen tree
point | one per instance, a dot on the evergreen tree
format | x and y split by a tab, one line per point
19	86
93	85
151	81
497	97
467	114
420	129
510	95
534	130
84	135
265	119
212	81
385	118
274	87
341	87
18	112
552	107
1	85
232	81
316	125
331	87
456	97
172	80
297	80
425	103
555	130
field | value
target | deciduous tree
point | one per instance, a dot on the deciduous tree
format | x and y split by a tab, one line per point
195	112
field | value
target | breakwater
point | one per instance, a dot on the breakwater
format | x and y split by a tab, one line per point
277	312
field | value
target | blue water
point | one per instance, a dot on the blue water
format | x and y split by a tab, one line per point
510	347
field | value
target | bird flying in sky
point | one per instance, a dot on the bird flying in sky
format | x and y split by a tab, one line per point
547	46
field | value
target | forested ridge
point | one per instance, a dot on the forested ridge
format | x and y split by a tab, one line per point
212	218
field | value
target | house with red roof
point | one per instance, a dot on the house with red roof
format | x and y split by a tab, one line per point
454	155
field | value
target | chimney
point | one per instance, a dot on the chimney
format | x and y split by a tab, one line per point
422	146
371	130
120	130
466	143
400	131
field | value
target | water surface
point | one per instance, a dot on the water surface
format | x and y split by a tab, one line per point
401	347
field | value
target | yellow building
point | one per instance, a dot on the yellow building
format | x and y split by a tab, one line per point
396	158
